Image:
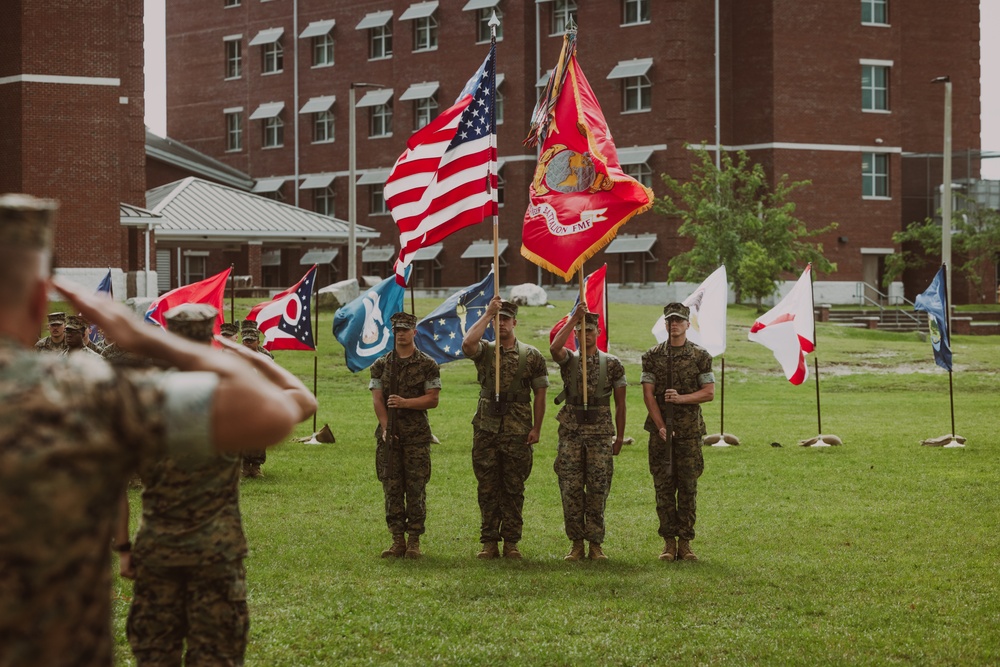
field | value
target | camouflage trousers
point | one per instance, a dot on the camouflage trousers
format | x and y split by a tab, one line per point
676	485
203	604
502	464
585	466
405	488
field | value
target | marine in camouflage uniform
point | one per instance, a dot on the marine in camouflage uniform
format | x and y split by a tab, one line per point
56	340
190	582
503	444
677	375
585	460
76	337
253	459
405	383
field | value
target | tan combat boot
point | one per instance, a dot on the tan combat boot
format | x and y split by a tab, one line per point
413	547
576	553
398	547
596	553
669	549
684	550
489	551
510	550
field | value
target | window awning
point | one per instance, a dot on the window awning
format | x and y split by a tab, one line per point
267	36
543	80
318	104
419	10
374	20
267	110
473	5
481	249
635	155
499	79
270	258
318	29
381	253
624	243
374	177
266	185
428	253
315	256
317	182
375	98
629	68
420	91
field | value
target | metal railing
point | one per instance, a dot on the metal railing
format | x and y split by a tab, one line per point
861	293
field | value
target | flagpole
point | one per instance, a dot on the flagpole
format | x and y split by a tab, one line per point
494	22
315	298
812	314
583	337
232	294
722	398
947	312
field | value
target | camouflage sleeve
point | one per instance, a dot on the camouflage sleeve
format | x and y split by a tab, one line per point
188	413
616	372
705	374
648	376
539	371
376	374
570	354
432	376
481	347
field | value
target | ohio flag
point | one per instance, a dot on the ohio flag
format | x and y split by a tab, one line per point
284	321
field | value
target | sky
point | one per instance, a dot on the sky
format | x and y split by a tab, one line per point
156	77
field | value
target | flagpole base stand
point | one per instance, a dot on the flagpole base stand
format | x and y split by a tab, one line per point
949	441
321	437
720	440
822	440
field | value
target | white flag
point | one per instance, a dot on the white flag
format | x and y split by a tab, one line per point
708	314
788	329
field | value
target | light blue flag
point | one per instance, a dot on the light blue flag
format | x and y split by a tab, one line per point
934	302
363	326
440	334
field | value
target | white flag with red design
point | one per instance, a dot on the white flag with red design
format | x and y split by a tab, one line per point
788	329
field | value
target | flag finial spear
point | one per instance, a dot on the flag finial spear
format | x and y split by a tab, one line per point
494	21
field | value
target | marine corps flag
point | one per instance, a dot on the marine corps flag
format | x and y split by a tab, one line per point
579	196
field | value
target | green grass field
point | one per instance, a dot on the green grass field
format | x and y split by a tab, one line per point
877	552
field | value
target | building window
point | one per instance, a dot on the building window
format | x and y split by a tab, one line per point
381	121
426	274
874	175
501	187
323	50
636	267
234	131
874	88
274	58
322	127
274	132
377	205
637	94
563	13
483	24
323	201
234	58
231	3
875	12
275	195
425	33
195	267
640	172
425	111
635	11
498	107
380	42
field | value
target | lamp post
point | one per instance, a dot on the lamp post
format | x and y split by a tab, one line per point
946	191
352	194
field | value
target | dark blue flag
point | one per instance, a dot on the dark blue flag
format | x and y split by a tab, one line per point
104	289
363	326
934	302
440	334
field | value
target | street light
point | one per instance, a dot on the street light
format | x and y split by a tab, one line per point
946	191
352	195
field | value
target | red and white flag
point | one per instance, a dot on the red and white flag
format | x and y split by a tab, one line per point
446	178
284	321
594	289
788	329
708	314
210	290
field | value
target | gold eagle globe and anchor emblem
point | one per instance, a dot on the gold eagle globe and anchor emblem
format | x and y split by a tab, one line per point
564	170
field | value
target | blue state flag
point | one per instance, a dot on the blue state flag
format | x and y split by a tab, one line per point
934	302
440	334
363	326
104	289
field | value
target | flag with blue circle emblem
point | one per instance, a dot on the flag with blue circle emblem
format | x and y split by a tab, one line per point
440	334
934	302
364	327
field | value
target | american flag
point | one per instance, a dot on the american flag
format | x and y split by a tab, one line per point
446	178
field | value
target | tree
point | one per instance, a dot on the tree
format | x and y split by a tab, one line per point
975	239
736	218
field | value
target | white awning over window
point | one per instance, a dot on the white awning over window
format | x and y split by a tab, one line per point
420	91
318	104
268	36
624	243
428	253
419	10
628	68
380	253
499	79
481	249
473	5
635	155
318	29
317	182
374	177
267	110
374	20
375	98
266	185
315	256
